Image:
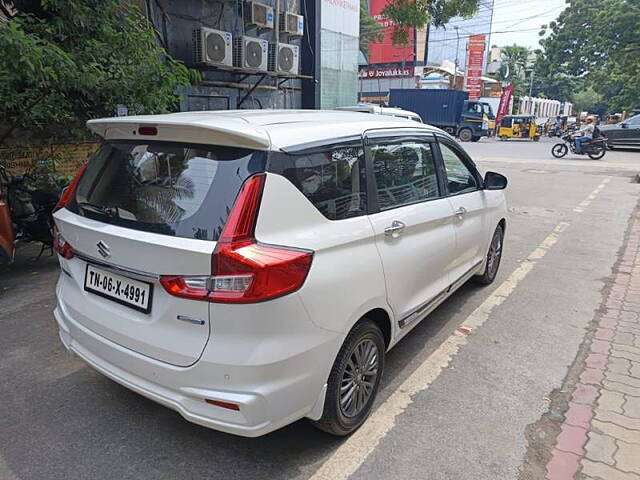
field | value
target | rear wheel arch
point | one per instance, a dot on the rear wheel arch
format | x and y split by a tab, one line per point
382	319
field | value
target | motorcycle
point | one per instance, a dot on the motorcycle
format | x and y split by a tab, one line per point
594	148
25	214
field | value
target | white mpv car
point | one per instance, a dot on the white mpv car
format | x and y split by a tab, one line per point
251	268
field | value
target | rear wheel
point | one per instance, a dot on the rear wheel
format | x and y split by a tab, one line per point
596	152
504	138
559	150
465	134
493	258
354	380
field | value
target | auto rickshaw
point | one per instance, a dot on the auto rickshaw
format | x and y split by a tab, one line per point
519	126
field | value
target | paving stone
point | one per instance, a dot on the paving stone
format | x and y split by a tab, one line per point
623	338
600	346
579	415
622	387
604	334
563	465
619	419
608	323
605	472
612	313
610	400
627	348
619	365
634	369
617	432
591	376
631	408
618	353
596	360
626	379
571	439
628	457
585	394
600	448
628	329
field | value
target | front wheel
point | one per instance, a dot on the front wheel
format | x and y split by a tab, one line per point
465	135
596	152
494	255
354	380
559	150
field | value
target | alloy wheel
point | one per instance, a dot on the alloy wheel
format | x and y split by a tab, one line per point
493	258
359	378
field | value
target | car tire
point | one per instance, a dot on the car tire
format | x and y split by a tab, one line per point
341	417
465	135
494	255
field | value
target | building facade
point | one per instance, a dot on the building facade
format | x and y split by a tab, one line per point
268	54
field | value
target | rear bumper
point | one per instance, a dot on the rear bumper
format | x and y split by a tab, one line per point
270	394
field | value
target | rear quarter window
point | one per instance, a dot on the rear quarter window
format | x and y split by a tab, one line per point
332	180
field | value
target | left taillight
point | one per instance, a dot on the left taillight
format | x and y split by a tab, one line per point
242	269
60	245
70	191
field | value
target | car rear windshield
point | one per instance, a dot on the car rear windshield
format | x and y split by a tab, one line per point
175	189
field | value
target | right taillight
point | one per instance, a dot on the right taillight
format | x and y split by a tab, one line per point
242	269
60	245
70	191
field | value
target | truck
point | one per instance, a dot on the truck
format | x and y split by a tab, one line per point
450	110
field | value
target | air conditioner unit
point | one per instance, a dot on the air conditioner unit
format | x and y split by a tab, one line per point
251	53
284	58
292	24
212	47
258	14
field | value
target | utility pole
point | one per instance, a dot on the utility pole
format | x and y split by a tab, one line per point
455	70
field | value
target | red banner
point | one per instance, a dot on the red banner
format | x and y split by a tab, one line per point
385	51
505	101
475	64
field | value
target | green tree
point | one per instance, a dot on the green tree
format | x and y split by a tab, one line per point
597	42
408	14
516	58
370	30
66	61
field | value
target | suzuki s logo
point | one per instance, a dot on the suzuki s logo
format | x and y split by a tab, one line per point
103	249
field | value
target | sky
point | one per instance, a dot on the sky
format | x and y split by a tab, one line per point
525	16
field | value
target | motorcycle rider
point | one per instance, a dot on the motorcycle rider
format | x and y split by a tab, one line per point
585	134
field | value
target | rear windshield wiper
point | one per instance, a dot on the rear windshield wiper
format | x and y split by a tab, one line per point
110	212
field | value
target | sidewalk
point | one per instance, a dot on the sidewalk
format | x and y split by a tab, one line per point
600	435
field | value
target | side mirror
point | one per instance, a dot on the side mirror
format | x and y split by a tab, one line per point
495	181
624	125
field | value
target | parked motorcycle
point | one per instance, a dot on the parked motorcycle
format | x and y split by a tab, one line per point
25	213
595	148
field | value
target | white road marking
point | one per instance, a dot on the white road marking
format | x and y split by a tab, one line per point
355	450
587	201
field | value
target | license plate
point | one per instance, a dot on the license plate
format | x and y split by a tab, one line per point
118	288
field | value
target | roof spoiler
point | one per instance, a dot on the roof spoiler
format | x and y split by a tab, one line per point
235	134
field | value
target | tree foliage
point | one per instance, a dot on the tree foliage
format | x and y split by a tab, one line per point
598	43
408	14
65	61
370	30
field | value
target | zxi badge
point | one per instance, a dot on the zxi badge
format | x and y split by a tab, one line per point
103	249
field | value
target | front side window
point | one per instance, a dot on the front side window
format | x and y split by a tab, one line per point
459	177
634	120
174	189
334	180
405	173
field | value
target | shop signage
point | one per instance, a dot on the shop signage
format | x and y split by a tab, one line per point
475	63
384	72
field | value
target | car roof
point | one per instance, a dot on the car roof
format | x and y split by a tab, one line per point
257	129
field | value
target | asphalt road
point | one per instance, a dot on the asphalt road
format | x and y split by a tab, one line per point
464	415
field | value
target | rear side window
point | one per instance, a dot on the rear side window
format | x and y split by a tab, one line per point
405	173
169	188
334	180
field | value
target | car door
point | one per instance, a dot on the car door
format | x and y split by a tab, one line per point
467	200
630	135
412	222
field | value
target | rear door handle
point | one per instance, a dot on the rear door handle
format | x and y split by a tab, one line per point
460	212
395	229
